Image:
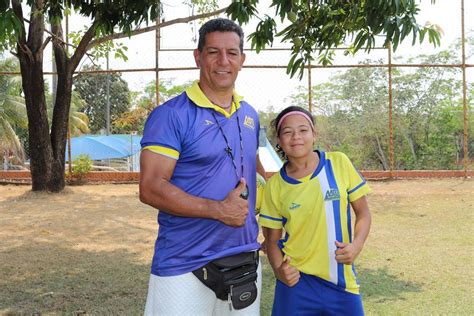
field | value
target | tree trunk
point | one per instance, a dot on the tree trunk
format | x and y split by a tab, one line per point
38	128
381	154
47	150
59	131
62	104
30	55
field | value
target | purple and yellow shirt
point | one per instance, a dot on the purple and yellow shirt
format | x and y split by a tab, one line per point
185	128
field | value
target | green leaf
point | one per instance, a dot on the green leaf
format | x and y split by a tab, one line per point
290	63
297	64
292	16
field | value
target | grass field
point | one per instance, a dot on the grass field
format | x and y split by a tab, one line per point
88	250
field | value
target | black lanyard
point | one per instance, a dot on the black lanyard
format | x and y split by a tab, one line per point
228	149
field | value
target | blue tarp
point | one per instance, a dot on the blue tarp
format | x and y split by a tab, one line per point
100	147
268	156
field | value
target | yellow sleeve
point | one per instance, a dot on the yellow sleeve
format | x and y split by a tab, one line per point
358	186
260	188
165	151
270	210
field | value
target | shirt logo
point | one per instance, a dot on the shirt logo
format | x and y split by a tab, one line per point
249	122
294	205
207	122
331	195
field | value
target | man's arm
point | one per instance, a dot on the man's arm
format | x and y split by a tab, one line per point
156	190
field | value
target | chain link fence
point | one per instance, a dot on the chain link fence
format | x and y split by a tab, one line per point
385	110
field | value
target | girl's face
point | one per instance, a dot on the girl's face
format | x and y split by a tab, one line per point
296	136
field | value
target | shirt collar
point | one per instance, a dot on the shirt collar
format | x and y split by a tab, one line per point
199	98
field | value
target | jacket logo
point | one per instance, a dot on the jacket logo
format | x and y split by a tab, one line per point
331	195
248	121
294	205
207	122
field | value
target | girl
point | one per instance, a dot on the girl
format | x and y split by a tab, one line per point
310	198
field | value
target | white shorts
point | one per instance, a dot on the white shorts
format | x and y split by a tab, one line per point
185	295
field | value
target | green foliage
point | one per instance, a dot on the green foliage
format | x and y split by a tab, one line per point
352	116
263	35
102	50
10	26
134	120
422	101
320	26
78	121
92	88
266	116
242	10
109	16
167	89
81	166
9	84
25	35
202	6
13	119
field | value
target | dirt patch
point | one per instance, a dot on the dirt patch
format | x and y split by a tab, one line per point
88	249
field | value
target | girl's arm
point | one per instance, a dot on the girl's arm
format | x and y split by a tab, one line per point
348	252
280	265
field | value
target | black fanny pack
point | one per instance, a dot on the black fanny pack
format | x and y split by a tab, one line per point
232	278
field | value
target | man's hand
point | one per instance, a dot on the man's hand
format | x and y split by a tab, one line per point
346	253
287	274
234	209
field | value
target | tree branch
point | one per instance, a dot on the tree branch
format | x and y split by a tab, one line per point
153	27
54	36
59	48
59	39
90	57
83	46
45	43
36	28
25	49
16	5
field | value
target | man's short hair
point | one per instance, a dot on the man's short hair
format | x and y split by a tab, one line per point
220	25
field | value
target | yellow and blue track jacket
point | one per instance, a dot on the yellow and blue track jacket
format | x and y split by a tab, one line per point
315	212
185	128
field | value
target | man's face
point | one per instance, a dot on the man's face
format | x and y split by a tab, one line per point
220	61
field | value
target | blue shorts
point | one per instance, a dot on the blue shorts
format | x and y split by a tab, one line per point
315	296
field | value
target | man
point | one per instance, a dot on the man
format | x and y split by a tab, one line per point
198	164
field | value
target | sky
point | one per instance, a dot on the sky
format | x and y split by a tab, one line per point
263	88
